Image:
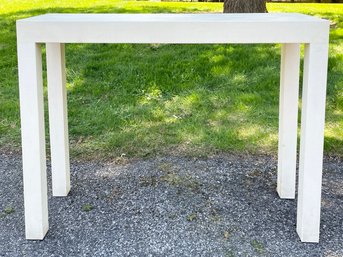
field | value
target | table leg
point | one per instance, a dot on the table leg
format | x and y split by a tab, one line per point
288	120
58	120
33	140
311	141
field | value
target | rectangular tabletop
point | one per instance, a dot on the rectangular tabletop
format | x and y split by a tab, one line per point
174	28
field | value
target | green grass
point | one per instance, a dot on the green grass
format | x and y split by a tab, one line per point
87	207
141	100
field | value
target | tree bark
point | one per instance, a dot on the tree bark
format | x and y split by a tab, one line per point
245	6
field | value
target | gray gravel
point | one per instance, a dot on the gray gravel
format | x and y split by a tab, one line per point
171	206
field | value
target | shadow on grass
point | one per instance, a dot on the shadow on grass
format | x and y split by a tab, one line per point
217	96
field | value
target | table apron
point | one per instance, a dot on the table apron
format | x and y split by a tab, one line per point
173	33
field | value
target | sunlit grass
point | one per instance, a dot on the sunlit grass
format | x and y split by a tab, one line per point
142	100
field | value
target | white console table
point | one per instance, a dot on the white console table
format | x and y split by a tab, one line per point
290	30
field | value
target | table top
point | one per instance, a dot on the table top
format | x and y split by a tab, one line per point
174	28
213	17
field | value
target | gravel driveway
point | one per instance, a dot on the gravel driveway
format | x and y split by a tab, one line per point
224	205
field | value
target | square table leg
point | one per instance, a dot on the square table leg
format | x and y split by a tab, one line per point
288	120
311	141
58	120
33	139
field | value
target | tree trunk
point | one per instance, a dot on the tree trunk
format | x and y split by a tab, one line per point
245	6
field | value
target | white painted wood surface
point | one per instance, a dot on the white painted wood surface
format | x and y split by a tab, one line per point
58	120
312	141
291	30
288	120
33	140
174	28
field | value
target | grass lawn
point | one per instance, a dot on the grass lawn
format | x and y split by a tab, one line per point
140	100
